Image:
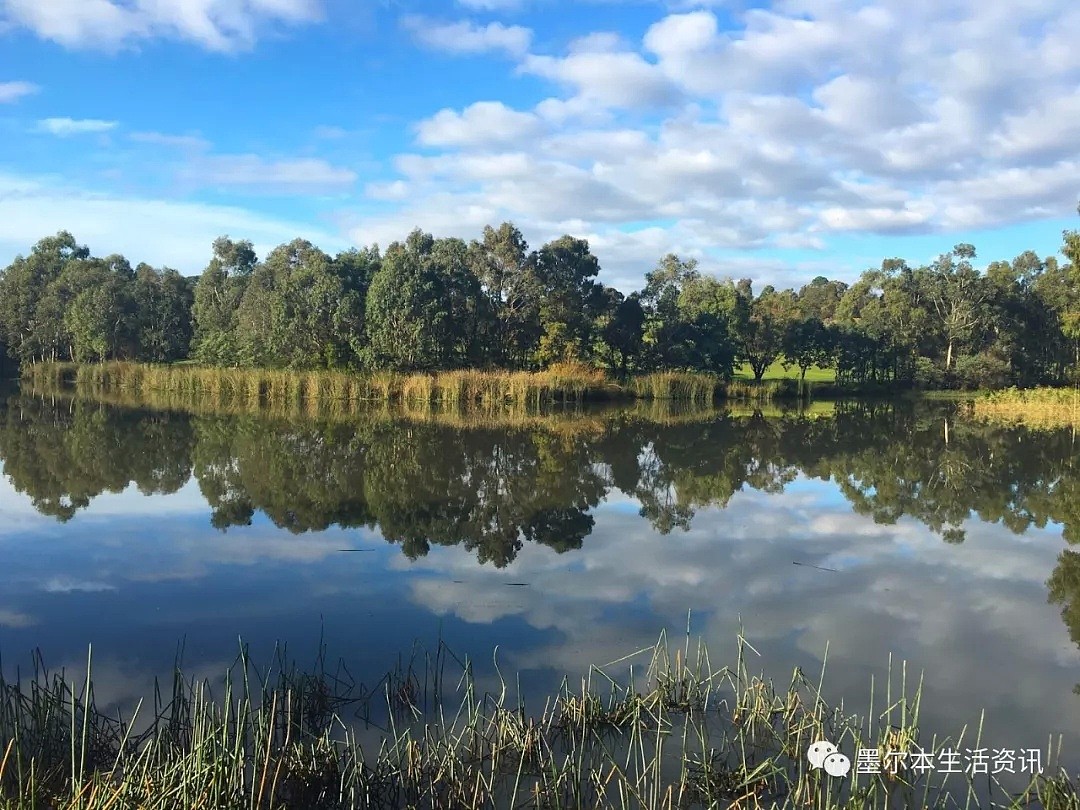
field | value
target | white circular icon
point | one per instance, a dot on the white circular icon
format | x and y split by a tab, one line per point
837	765
818	751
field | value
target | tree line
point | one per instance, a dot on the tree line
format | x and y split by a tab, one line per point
429	304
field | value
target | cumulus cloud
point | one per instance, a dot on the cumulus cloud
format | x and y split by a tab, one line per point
218	25
482	123
468	38
13	91
772	127
64	127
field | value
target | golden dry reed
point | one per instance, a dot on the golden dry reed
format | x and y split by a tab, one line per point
1035	407
318	392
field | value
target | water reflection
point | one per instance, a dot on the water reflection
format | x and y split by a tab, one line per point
491	488
881	527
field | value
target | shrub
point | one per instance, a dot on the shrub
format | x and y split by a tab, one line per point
981	371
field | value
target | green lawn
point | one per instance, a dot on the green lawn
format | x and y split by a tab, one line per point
776	372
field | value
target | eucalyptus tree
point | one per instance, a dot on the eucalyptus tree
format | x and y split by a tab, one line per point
570	299
710	311
763	322
163	300
217	298
620	333
506	270
297	311
820	298
471	325
29	332
101	318
959	296
405	312
665	337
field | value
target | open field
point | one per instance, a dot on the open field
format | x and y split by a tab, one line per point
777	372
679	731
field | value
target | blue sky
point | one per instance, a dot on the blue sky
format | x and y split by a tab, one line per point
777	140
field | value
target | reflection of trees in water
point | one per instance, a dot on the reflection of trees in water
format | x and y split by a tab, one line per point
492	489
63	456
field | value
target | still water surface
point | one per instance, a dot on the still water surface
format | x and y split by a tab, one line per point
866	529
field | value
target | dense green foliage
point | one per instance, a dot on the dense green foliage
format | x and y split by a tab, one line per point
432	304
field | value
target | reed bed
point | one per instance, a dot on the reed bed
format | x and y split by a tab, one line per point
329	392
565	382
661	728
1035	407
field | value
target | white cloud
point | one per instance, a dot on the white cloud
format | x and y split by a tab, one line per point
162	232
482	123
491	5
13	91
610	78
273	176
64	127
72	585
14	620
219	25
799	120
467	37
187	142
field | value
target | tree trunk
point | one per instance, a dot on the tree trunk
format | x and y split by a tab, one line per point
948	357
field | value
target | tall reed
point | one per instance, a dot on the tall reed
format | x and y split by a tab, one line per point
1036	407
665	727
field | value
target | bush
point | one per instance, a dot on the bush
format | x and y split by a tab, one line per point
928	374
981	371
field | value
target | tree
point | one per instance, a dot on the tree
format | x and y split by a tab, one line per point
507	274
666	339
24	283
356	268
959	296
472	324
296	311
406	312
101	318
807	342
762	324
163	300
570	299
820	298
217	297
621	332
709	310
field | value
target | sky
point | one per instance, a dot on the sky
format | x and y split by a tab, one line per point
777	140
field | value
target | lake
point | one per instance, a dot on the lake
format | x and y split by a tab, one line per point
864	529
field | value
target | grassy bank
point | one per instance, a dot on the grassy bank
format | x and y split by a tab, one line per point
778	371
315	391
677	731
1036	407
